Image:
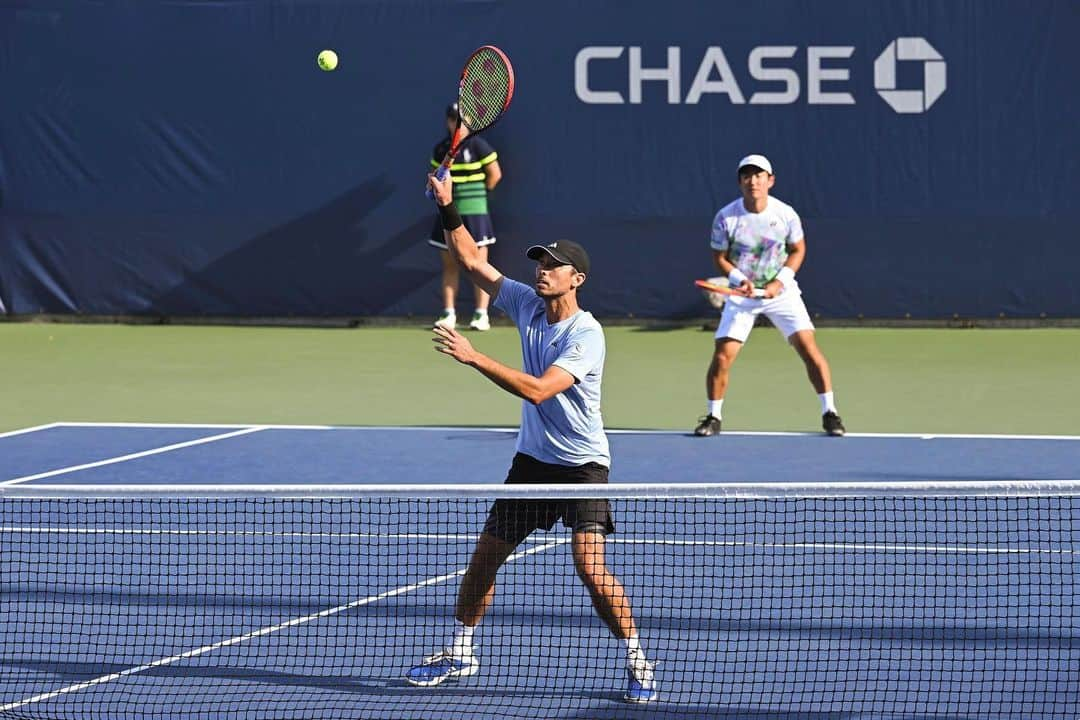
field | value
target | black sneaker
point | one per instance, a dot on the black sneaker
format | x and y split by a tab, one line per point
708	425
833	424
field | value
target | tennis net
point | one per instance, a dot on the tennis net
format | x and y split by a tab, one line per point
756	601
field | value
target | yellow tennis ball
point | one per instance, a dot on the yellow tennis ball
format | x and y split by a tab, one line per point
328	60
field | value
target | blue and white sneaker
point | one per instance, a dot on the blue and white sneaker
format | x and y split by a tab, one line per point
440	667
640	682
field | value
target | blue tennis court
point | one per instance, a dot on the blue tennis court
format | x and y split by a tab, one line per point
926	599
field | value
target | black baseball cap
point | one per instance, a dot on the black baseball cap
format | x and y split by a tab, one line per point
452	110
565	251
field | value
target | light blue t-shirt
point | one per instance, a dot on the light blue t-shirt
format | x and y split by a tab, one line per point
566	429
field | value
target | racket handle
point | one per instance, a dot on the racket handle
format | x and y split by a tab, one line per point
440	174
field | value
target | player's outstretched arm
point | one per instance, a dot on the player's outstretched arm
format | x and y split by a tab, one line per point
527	387
460	241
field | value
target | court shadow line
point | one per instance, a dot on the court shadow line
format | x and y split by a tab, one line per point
391	685
939	634
395	692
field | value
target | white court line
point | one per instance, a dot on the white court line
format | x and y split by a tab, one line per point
459	537
24	431
191	426
854	547
133	456
792	433
959	436
448	428
438	428
261	632
487	491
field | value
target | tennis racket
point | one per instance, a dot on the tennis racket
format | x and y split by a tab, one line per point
484	93
725	290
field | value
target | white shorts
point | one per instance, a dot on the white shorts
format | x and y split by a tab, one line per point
787	313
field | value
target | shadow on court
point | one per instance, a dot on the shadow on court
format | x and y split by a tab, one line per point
928	633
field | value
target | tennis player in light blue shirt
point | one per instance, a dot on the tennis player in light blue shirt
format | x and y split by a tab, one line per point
562	440
566	429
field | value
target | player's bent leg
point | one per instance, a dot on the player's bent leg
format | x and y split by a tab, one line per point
725	351
817	369
612	605
480	320
450	279
478	586
477	589
607	593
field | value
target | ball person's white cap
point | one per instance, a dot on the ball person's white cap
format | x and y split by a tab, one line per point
757	161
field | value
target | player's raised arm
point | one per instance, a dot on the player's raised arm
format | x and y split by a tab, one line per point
460	241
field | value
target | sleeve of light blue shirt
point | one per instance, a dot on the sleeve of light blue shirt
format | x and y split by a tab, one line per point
582	353
514	299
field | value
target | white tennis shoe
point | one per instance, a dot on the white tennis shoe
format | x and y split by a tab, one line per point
640	682
447	320
480	322
440	667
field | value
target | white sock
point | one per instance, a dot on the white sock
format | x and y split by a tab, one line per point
461	645
634	651
714	408
827	404
449	311
480	312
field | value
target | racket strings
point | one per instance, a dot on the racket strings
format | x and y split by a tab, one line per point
486	87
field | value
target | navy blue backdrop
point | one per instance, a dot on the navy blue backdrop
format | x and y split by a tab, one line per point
188	158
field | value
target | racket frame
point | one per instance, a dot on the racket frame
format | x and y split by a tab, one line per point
759	293
455	140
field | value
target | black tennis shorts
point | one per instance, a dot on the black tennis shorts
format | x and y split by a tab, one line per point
513	519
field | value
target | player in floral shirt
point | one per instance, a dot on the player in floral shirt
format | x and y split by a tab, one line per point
758	243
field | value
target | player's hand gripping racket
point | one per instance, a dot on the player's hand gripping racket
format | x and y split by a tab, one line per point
725	290
484	94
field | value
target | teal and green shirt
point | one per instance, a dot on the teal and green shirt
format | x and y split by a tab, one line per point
474	154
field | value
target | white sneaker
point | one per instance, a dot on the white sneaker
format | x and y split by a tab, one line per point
447	320
640	682
441	667
480	322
